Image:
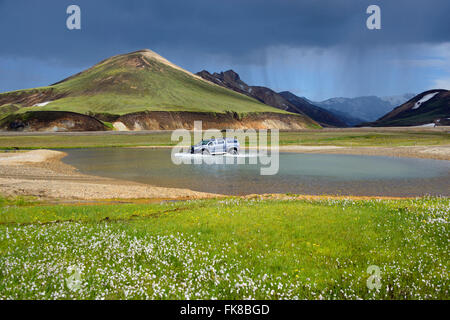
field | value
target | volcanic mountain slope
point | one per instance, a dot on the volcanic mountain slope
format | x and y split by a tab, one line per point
429	107
140	81
283	101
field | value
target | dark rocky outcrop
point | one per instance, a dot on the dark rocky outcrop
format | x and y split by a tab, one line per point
50	121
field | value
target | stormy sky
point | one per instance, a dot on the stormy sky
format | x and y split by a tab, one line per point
314	48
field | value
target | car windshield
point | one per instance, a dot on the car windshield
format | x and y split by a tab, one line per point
205	142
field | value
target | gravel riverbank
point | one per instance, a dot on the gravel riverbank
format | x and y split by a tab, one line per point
40	173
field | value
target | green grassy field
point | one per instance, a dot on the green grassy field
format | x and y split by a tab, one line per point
319	137
226	249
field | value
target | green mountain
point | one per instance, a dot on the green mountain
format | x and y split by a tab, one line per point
131	83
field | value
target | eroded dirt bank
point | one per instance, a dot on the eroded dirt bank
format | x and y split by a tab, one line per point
60	121
40	173
51	121
162	120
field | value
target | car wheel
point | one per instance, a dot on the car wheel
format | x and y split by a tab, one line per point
205	152
234	152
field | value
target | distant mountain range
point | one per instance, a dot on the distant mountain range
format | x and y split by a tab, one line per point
364	109
286	101
335	112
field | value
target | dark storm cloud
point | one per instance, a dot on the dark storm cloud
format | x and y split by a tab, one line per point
36	29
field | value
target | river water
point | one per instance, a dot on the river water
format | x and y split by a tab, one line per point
313	174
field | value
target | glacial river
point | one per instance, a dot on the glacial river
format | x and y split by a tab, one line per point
313	174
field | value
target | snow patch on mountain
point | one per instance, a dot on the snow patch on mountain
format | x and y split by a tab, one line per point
43	104
424	99
428	125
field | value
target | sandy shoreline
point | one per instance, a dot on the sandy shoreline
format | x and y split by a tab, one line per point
41	174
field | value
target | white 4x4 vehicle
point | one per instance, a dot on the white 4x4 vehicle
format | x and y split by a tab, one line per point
217	146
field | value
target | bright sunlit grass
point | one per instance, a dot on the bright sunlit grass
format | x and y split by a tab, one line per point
227	249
